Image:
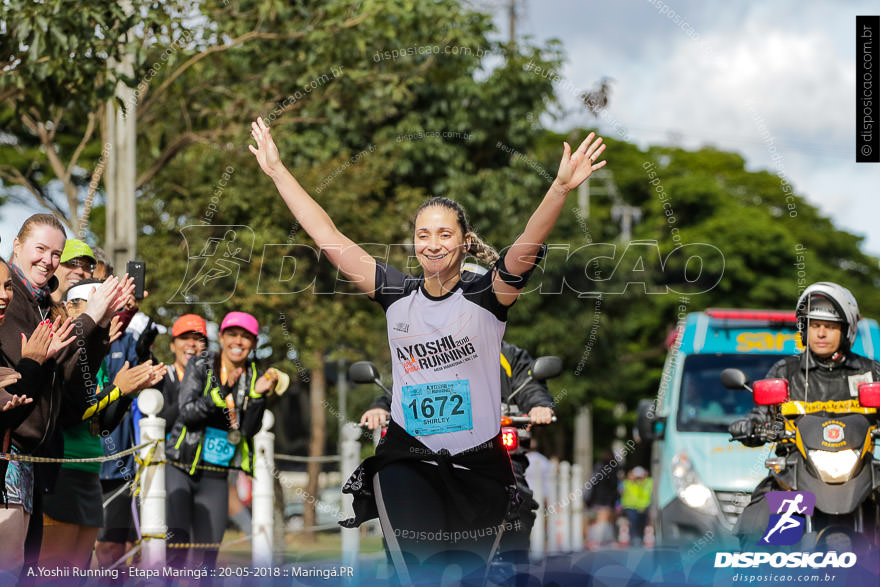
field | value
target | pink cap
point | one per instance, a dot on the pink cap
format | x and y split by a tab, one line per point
241	319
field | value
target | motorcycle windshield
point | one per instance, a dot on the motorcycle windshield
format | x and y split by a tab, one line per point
705	404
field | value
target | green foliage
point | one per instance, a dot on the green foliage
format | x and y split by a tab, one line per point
614	346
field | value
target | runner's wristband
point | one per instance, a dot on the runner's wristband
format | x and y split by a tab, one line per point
518	281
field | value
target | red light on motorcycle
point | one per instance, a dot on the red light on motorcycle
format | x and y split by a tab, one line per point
384	431
505	421
509	438
869	395
769	392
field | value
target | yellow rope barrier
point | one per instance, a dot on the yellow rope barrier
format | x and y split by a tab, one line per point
10	456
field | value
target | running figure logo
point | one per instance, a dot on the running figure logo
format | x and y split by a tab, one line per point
787	515
211	274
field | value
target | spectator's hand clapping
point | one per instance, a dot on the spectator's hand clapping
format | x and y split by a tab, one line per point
109	297
60	336
16	401
132	379
8	376
36	347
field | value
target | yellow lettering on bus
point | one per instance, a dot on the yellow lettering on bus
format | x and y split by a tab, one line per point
754	341
766	341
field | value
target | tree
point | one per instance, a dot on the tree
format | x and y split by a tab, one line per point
58	73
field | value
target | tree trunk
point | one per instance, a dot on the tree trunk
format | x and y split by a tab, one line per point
121	167
318	421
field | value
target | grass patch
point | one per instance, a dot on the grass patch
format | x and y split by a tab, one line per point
298	547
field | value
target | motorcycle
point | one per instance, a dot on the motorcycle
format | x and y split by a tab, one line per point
828	453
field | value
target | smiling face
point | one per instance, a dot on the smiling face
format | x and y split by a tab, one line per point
5	290
186	346
439	242
824	337
74	271
39	254
236	344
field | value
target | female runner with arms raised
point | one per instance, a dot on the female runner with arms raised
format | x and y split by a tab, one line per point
441	480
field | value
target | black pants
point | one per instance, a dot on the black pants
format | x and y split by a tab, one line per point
516	540
424	532
196	510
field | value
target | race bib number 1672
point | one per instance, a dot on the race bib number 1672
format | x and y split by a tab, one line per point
433	408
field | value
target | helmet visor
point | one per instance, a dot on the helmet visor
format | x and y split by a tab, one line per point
821	308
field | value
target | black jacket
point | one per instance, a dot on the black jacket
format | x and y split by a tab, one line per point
516	366
200	403
170	388
467	490
829	381
22	316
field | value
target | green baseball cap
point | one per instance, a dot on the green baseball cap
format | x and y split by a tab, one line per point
74	248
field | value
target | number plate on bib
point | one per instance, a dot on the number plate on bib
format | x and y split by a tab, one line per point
433	408
218	450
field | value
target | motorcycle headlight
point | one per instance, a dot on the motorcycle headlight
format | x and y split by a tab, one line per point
834	467
689	488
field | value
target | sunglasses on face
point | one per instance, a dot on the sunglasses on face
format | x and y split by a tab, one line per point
83	263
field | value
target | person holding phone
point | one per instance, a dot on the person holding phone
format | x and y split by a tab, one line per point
36	255
91	407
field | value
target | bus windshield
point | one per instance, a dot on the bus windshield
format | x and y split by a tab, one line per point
708	406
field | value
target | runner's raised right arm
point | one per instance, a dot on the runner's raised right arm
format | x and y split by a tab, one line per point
345	255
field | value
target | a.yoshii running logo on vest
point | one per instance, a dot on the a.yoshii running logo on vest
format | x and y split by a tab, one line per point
437	352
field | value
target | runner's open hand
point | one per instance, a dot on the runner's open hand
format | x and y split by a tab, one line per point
266	151
576	167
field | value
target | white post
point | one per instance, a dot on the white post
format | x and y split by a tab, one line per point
263	493
564	514
577	508
538	537
150	402
350	454
552	508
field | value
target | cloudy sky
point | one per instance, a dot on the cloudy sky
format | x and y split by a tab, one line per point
749	76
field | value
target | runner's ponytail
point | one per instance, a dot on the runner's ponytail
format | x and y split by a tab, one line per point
483	252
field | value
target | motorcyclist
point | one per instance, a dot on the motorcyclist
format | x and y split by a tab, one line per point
535	400
826	371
